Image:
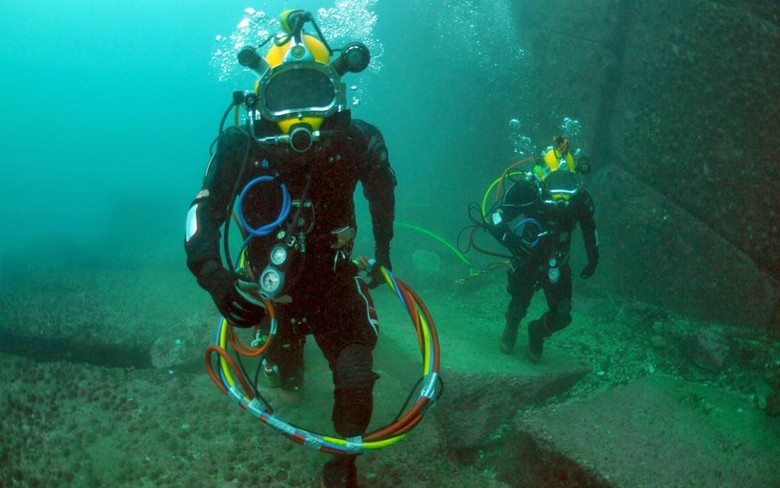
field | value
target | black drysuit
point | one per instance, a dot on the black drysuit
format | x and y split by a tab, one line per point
323	295
541	252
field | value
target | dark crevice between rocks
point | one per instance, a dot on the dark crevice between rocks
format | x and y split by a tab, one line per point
521	460
526	462
44	349
490	442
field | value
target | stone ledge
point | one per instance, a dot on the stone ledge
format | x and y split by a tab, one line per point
655	432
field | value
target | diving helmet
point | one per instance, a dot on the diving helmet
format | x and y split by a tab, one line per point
560	189
298	85
556	158
558	172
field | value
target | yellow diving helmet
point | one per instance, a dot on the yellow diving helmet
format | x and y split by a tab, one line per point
298	84
558	172
556	158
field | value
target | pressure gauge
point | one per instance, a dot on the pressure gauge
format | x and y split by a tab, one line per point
278	255
270	282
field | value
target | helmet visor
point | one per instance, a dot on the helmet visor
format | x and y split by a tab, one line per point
300	89
562	186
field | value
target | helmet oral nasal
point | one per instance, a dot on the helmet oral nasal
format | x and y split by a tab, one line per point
301	137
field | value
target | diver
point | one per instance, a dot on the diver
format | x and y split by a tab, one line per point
288	174
535	220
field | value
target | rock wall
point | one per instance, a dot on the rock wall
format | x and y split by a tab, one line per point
679	104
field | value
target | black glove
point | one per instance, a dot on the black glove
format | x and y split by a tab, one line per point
237	299
588	271
375	272
505	236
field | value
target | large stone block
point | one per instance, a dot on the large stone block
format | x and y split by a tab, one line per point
696	116
656	431
656	251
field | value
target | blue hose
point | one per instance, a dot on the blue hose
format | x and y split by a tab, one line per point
266	229
529	220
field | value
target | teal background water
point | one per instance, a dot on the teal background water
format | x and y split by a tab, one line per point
105	105
109	108
107	111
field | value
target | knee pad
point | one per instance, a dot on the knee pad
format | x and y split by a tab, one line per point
353	369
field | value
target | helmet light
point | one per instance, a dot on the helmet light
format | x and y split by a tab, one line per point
249	58
354	58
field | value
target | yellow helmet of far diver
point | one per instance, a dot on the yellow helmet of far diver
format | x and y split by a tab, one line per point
556	158
557	171
299	86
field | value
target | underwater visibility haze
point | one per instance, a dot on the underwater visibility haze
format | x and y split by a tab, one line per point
668	375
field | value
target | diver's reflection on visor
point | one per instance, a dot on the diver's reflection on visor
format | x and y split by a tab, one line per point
299	90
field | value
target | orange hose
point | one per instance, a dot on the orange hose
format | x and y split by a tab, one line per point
429	318
210	368
409	417
406	423
243	348
499	187
213	348
412	312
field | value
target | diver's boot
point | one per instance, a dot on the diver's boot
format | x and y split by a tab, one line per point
537	331
339	472
509	337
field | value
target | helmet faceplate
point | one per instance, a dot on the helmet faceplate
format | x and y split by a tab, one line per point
300	86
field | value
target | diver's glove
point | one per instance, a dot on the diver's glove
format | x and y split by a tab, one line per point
588	271
593	261
505	236
375	271
237	299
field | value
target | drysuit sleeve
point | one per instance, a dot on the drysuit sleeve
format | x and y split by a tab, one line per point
506	237
511	207
379	182
587	221
209	209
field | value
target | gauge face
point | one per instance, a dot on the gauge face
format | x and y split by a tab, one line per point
278	255
270	281
554	274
